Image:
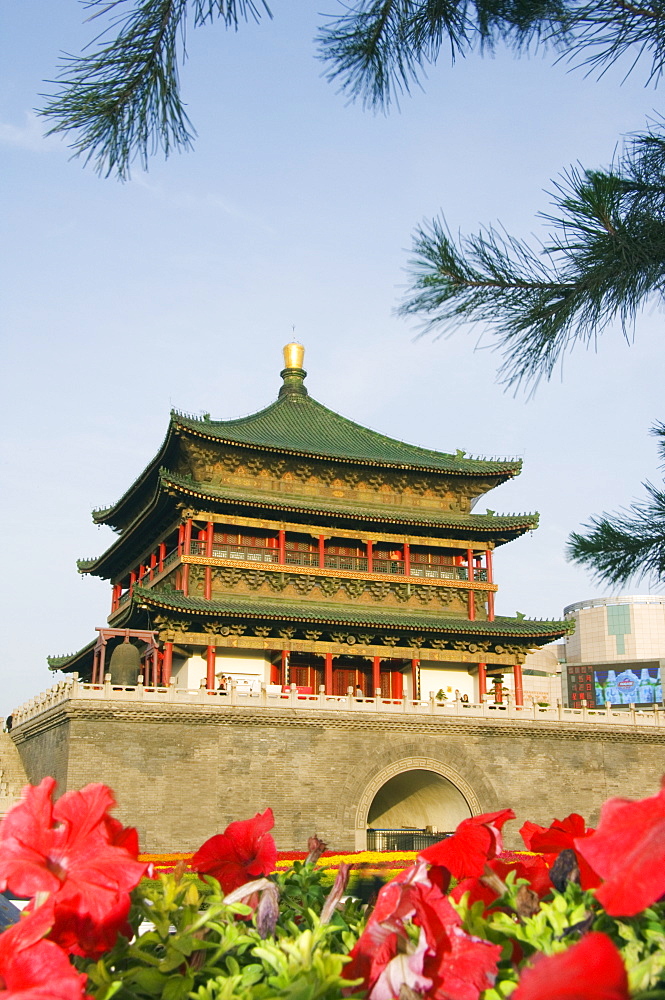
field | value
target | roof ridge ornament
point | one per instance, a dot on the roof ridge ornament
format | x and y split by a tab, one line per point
293	374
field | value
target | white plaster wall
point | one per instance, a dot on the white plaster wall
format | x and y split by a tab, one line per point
252	667
450	677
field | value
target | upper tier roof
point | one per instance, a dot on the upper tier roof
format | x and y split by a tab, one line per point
296	424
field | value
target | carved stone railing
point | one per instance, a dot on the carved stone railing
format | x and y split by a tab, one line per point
272	696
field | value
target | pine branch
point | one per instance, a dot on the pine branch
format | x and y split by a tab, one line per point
605	258
621	546
123	100
380	48
608	30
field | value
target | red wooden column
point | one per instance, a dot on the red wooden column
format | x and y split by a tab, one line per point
101	662
281	539
115	599
210	529
490	579
517	680
210	672
376	674
153	563
328	674
407	559
470	577
370	557
162	556
181	538
482	680
187	547
396	683
322	554
155	666
167	664
132	581
415	675
285	667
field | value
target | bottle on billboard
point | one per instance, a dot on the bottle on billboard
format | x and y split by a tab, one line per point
628	685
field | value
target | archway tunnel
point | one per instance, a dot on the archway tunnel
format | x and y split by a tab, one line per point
418	800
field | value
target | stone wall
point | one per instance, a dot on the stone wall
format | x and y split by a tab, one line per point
12	774
183	772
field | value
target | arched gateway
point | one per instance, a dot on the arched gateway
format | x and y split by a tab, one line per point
414	793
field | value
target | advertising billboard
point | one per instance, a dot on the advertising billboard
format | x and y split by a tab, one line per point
630	686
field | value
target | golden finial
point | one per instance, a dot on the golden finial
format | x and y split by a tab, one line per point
294	355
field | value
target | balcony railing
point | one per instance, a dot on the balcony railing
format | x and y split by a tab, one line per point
355	564
392	566
245	553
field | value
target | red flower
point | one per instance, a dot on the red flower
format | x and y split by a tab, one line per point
534	869
34	969
628	852
447	963
590	970
561	836
475	842
76	855
242	852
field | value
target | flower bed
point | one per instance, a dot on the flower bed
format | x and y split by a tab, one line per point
579	914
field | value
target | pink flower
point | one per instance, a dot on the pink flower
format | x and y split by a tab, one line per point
447	963
561	836
590	970
403	969
475	842
74	857
34	969
628	852
242	852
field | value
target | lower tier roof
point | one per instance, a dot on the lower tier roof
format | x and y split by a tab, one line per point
428	625
328	613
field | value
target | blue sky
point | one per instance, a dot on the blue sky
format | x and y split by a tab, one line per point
179	288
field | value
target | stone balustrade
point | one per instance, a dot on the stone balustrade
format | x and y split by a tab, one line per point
271	696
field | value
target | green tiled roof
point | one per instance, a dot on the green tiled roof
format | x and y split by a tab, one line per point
297	423
499	528
72	659
486	523
346	614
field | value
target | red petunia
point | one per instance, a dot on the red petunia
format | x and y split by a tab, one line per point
74	857
534	869
628	852
34	969
475	842
561	836
591	970
242	852
446	964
